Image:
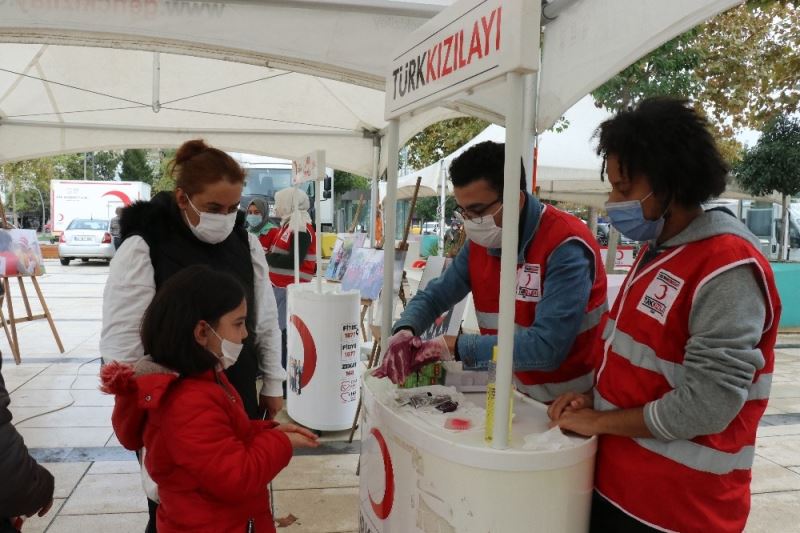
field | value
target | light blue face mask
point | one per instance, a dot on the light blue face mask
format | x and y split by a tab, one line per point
628	219
253	221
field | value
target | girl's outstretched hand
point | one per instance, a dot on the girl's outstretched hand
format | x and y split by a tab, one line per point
300	437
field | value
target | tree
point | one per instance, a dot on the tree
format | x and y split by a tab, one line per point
751	71
442	138
742	66
164	181
25	180
668	70
773	164
344	182
69	166
427	209
106	164
135	166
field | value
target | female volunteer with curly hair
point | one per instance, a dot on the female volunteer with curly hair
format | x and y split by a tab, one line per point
199	224
687	355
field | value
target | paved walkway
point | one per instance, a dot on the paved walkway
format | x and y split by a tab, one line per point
97	481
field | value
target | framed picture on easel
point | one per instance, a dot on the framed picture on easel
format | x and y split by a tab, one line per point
20	258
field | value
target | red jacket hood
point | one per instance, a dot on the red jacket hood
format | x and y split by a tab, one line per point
137	389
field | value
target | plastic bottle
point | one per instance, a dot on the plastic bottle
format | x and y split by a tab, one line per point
491	394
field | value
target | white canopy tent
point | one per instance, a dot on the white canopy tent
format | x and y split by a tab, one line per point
56	99
271	77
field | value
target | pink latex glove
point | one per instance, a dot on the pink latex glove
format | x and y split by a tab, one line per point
435	349
399	358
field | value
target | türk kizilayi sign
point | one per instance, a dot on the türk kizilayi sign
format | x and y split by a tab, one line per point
470	43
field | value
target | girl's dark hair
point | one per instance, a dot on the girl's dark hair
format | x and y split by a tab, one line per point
669	142
197	164
194	294
484	161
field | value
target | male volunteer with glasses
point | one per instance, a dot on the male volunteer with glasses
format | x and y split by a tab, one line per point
560	293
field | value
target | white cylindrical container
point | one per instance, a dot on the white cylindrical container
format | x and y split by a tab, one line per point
416	477
323	378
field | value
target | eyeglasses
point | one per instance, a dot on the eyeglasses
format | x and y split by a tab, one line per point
463	214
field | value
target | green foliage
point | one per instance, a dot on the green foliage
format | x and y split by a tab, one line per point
427	209
344	182
668	70
742	66
773	164
23	179
69	166
442	138
751	70
163	181
106	164
135	166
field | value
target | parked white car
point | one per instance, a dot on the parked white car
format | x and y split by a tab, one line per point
86	239
430	228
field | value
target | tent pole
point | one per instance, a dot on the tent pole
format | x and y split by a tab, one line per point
318	185
529	127
295	207
390	225
508	259
442	204
373	210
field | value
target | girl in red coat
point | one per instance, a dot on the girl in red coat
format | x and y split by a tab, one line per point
211	463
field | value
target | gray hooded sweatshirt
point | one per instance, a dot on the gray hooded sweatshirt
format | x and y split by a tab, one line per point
725	326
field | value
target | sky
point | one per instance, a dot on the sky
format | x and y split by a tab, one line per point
574	147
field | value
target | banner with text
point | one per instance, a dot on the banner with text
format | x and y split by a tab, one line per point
469	43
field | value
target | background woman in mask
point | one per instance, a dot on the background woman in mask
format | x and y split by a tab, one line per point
686	358
211	463
560	294
197	224
258	223
292	206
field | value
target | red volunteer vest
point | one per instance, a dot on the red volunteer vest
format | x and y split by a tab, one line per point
680	485
555	228
284	244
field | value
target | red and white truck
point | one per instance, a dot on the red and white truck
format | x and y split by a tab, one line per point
91	199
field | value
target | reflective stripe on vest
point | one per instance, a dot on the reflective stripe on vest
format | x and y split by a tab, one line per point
548	392
642	356
688	453
290	273
590	319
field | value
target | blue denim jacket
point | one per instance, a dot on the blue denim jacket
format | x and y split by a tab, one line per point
545	344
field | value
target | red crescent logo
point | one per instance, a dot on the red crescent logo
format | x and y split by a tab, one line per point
309	350
60	217
383	508
121	195
663	292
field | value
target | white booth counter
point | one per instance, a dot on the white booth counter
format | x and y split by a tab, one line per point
417	476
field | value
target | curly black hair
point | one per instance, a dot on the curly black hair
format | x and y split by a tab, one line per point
669	142
485	161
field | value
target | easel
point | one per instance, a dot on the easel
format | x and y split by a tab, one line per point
13	339
376	331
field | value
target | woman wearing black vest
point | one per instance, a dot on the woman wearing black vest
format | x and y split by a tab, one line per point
200	223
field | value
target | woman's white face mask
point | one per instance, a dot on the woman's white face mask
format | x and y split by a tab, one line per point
212	228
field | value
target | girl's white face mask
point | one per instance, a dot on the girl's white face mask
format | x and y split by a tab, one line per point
212	228
230	351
